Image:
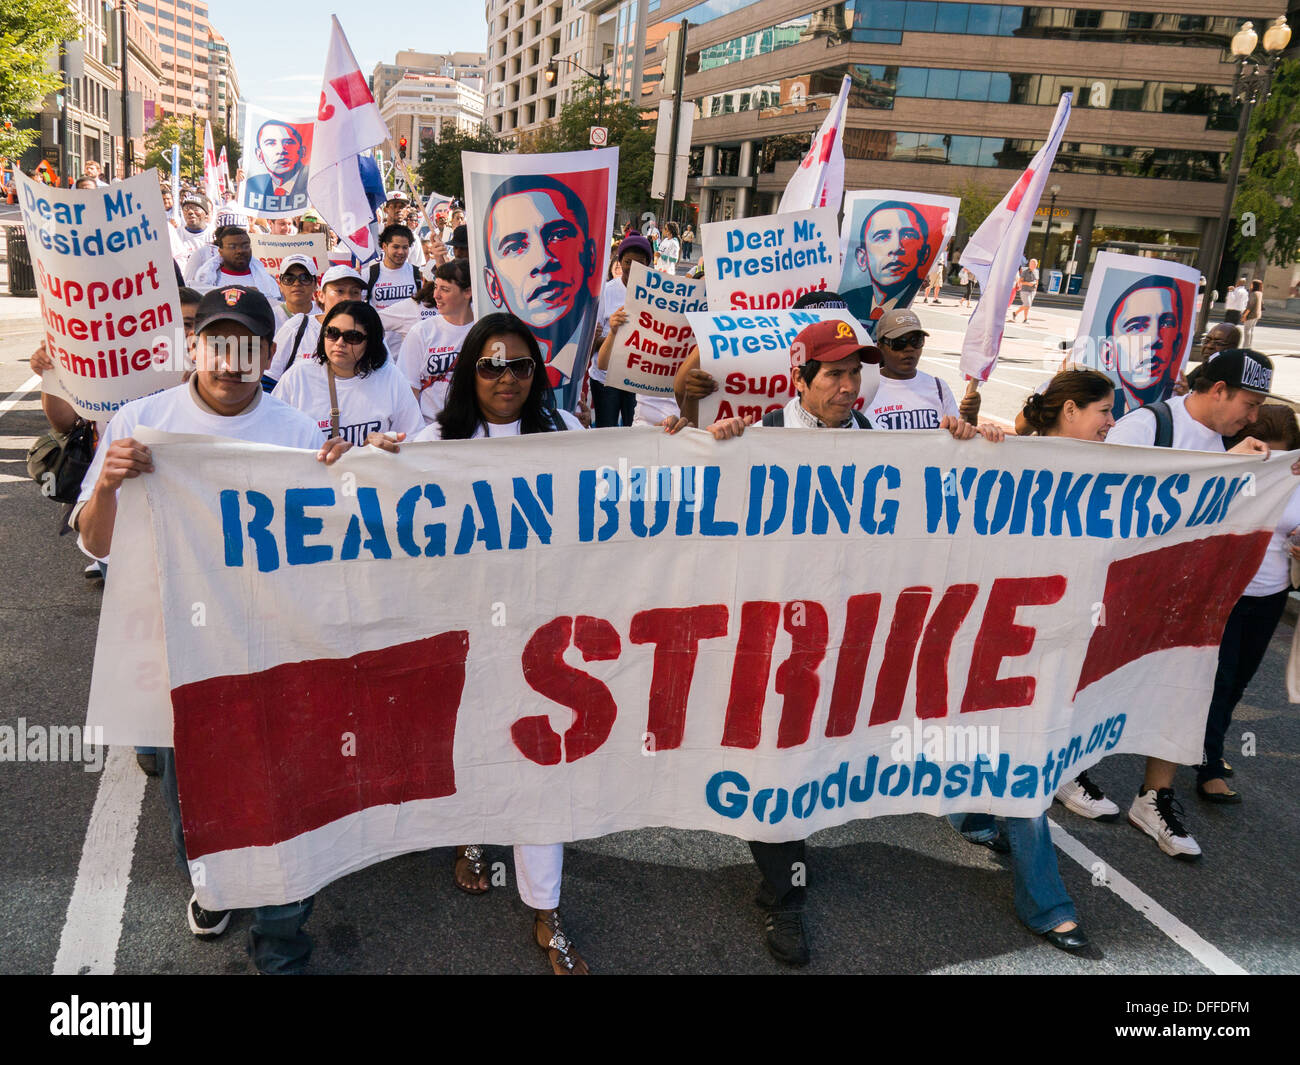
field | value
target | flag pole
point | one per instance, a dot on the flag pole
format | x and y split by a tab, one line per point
410	185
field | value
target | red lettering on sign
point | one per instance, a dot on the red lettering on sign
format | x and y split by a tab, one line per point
851	669
900	649
676	634
932	660
1000	637
796	677
749	674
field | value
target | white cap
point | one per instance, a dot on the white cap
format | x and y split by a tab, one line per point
305	261
398	194
341	273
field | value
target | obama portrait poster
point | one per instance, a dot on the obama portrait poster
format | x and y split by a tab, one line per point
539	239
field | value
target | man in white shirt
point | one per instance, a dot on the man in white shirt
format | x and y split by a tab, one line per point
298	336
1226	394
394	278
393	213
187	239
908	398
234	265
1236	301
222	398
297	283
431	348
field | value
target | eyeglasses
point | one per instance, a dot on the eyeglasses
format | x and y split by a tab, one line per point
491	369
348	336
911	340
296	279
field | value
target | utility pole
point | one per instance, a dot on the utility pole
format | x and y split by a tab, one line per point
679	70
126	97
194	148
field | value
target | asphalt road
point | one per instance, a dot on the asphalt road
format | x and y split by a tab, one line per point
892	895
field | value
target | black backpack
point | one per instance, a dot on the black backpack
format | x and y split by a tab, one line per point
1165	423
776	418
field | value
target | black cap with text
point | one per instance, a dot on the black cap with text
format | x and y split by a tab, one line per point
234	303
1237	368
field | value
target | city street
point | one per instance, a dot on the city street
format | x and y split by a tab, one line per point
87	882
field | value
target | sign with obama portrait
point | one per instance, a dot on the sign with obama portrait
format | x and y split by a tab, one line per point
890	240
1137	325
277	157
539	237
769	635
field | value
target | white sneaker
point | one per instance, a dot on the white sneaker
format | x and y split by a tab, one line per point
1156	813
206	922
1086	799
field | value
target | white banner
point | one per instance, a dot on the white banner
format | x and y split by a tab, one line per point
749	356
109	304
766	263
272	249
539	235
532	640
651	347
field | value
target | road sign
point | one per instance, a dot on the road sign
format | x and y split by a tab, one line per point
599	136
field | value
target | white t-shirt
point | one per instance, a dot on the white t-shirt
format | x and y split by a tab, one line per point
380	402
184	244
612	297
1237	298
1274	573
427	358
284	338
670	251
433	431
652	410
1139	427
917	403
392	286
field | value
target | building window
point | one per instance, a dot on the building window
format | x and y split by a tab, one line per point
1087	20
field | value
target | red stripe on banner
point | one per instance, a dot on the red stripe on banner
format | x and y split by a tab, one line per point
266	757
1174	597
352	89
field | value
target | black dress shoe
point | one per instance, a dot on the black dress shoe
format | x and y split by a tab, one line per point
998	844
1071	941
1222	798
786	939
1225	769
148	763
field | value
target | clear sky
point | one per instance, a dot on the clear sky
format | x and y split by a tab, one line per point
279	48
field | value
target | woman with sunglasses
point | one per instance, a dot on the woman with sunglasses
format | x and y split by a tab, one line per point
350	386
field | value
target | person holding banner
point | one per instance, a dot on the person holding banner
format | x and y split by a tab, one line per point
233	327
350	386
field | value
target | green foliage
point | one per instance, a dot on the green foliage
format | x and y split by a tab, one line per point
627	131
1268	227
977	200
30	32
440	170
175	129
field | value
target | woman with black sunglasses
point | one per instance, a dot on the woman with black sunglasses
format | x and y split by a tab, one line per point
350	386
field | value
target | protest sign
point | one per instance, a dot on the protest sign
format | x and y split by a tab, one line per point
539	233
271	249
771	636
749	356
277	161
889	241
654	342
767	263
1138	320
109	303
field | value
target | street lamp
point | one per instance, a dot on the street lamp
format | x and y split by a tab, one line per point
1055	190
553	71
1248	88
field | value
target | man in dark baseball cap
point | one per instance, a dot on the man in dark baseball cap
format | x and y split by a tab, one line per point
459	243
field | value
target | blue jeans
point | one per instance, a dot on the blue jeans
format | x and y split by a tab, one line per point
1041	900
276	940
612	406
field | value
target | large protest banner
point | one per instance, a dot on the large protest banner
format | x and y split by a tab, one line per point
651	347
766	263
1137	325
272	249
109	303
277	161
539	234
772	636
749	356
890	240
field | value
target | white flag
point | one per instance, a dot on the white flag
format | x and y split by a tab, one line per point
347	124
211	179
223	171
993	254
819	181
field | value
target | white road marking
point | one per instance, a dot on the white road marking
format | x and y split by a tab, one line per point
94	923
14	398
1205	953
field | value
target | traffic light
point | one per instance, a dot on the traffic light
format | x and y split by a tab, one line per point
401	147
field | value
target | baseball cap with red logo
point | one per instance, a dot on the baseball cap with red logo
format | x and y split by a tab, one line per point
829	342
234	303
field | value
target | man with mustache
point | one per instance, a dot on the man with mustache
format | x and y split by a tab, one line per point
892	251
284	186
539	264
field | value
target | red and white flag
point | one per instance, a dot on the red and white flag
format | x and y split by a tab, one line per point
993	254
819	181
347	124
211	178
223	171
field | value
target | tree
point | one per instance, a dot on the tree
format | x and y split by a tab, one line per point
977	200
30	32
175	129
627	130
440	170
1268	229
